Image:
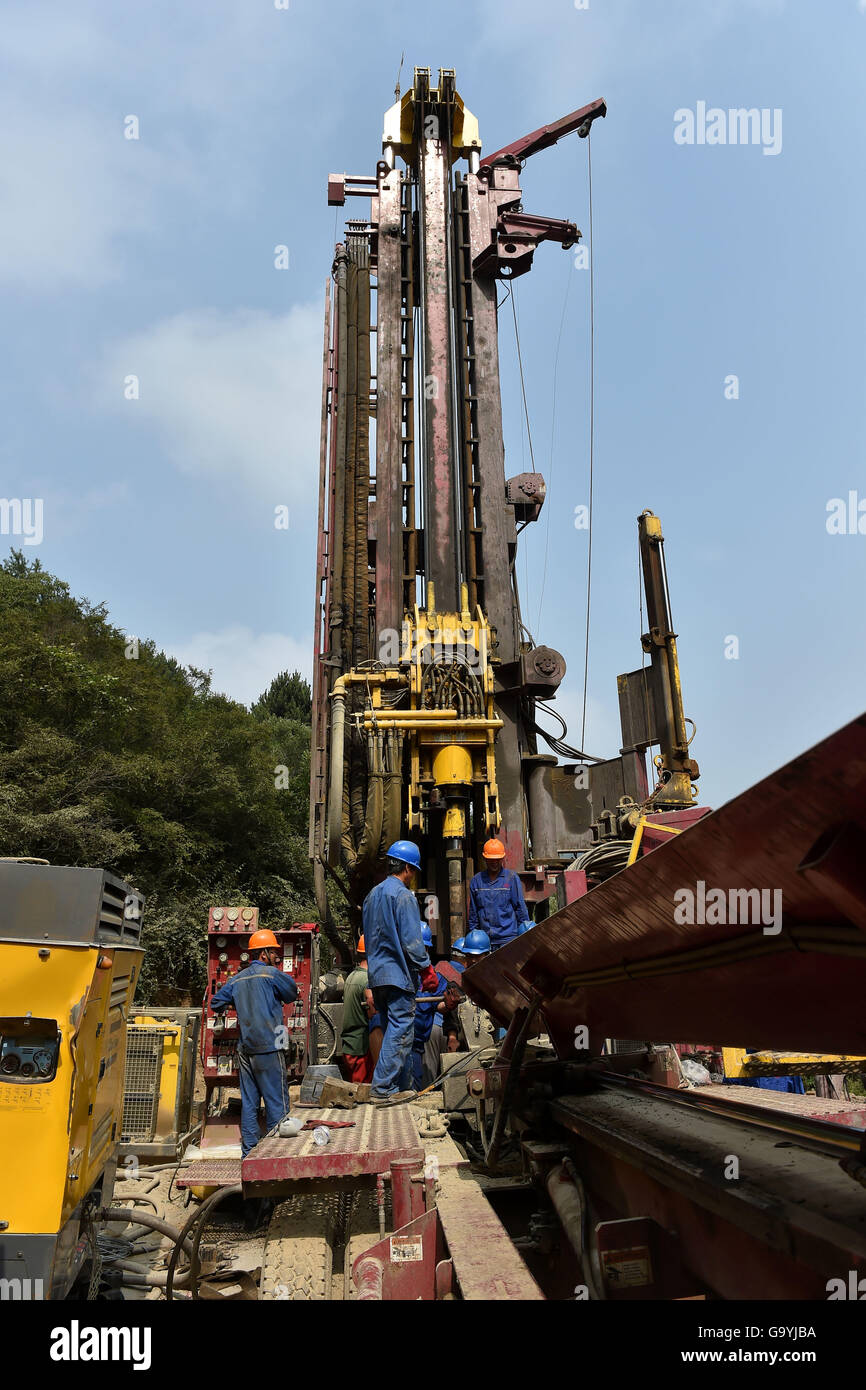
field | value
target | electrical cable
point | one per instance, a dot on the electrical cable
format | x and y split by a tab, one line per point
591	428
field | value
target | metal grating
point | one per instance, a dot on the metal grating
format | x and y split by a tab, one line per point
141	1086
374	1137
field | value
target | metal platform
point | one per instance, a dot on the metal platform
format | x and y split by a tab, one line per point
378	1135
210	1172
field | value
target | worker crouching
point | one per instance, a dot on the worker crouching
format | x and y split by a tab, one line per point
396	957
257	994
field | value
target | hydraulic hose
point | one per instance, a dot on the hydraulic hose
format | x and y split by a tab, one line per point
130	1217
197	1220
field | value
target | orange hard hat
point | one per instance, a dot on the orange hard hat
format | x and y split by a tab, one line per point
361	949
260	939
494	849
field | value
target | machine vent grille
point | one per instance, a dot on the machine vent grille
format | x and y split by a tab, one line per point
141	1086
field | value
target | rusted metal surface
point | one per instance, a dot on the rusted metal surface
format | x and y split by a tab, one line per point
381	1134
547	135
440	511
388	509
636	971
791	1221
485	1263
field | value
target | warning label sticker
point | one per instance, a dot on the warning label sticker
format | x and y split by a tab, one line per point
627	1269
406	1248
23	1097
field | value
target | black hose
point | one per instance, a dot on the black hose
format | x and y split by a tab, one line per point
142	1218
197	1216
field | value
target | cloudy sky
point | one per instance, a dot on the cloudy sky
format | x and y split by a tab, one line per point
153	258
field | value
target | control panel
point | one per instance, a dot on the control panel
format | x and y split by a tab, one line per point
228	934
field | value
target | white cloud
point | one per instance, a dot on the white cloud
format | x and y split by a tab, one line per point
233	396
243	662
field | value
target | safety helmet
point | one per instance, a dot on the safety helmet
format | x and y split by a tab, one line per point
476	943
361	949
260	939
427	936
459	945
406	852
494	849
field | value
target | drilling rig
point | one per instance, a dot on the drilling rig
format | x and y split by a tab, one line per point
425	679
426	690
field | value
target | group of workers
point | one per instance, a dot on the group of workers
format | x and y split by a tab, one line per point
398	1008
407	1031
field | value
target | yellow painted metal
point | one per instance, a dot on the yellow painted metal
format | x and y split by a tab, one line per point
737	1062
452	763
57	1136
170	1070
454	824
638	835
398	131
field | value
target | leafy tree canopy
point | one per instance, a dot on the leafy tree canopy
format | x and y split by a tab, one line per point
112	754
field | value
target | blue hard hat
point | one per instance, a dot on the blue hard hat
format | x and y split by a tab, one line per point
405	851
427	936
476	943
459	944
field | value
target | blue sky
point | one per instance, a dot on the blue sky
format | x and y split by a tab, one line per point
155	257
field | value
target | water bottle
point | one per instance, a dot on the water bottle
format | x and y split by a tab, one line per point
321	1135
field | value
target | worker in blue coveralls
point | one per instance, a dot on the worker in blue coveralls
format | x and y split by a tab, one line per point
257	995
496	901
428	1044
396	958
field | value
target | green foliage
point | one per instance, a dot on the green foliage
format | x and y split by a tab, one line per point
130	763
287	697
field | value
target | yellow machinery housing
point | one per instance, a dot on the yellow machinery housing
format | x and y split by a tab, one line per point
69	964
161	1049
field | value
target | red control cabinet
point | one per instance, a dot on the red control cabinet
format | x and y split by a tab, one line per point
228	933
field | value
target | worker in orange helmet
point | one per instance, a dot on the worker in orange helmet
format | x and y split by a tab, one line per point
496	902
257	995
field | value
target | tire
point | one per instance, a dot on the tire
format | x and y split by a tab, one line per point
299	1251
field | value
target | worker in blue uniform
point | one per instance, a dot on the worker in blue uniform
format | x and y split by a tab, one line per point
496	901
257	994
396	958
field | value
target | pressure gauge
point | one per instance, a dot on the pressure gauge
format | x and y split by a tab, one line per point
217	914
10	1063
248	914
223	957
245	955
220	941
232	914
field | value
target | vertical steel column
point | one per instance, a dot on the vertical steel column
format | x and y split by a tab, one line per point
389	410
441	531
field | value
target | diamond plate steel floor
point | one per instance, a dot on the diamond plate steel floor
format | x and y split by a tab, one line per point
377	1135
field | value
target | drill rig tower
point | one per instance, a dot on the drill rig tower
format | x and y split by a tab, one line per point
425	681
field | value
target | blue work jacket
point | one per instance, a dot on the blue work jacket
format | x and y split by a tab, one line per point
257	995
425	1014
396	955
497	906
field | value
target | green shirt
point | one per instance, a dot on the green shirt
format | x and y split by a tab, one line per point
355	1033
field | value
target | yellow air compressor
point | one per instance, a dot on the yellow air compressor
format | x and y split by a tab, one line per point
69	963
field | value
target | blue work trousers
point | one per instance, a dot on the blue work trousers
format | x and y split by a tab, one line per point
262	1076
394	1067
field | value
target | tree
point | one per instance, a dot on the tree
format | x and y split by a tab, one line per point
132	764
287	697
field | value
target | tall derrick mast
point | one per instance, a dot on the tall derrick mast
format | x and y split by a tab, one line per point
425	683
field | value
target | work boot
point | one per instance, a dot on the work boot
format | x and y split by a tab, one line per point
395	1098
